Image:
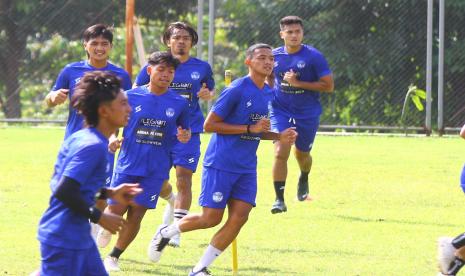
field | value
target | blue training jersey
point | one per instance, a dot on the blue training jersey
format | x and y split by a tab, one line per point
82	157
310	65
188	80
150	133
241	103
70	76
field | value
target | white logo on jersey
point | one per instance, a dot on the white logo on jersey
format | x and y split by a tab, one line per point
152	198
108	180
169	112
301	64
191	160
249	103
217	197
77	80
195	75
138	108
275	64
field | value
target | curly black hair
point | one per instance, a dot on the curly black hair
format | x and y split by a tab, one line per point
95	88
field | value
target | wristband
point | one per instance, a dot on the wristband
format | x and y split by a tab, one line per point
94	214
248	129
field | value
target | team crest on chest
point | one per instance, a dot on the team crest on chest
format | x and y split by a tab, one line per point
195	75
301	64
169	112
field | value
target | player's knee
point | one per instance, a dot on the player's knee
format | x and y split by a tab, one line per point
239	219
208	221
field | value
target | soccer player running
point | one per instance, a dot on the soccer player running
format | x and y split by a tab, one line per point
97	42
301	74
238	120
66	245
159	117
451	251
193	80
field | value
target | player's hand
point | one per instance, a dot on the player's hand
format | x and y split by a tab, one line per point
112	222
114	143
59	96
291	78
288	136
124	193
183	135
204	93
261	126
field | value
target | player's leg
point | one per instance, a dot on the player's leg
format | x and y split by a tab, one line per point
240	203
185	159
151	186
168	195
216	188
280	122
306	129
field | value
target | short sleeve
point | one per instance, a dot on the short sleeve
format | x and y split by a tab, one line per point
226	102
142	78
62	80
321	65
84	162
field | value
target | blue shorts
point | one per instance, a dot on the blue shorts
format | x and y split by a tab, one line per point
151	186
306	128
187	155
462	179
111	165
61	261
219	186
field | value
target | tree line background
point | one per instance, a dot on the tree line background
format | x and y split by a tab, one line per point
375	48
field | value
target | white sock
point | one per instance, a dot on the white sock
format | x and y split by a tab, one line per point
179	214
169	209
171	230
210	254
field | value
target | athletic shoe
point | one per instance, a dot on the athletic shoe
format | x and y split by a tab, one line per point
111	264
445	254
94	229
203	272
103	238
278	207
175	241
35	273
302	190
157	244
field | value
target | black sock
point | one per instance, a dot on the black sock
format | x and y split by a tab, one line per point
303	176
455	266
116	252
279	189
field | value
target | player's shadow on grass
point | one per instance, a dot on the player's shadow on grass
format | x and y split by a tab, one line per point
383	220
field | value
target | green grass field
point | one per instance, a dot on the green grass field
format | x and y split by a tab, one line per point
380	204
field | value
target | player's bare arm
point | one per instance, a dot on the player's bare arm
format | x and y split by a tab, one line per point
214	123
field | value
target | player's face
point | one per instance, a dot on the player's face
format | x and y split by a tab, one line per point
98	48
180	42
119	110
292	35
262	61
161	75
